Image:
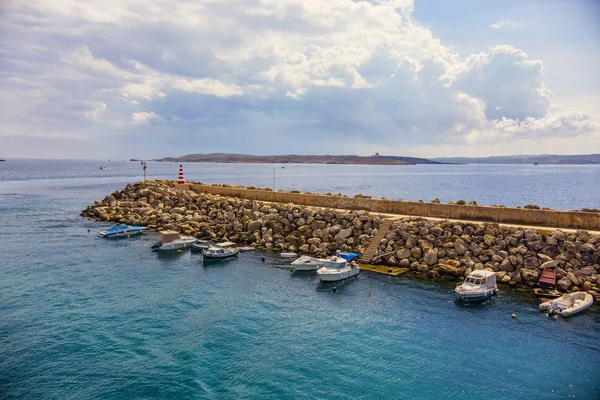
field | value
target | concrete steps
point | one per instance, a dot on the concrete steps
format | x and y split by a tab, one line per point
368	255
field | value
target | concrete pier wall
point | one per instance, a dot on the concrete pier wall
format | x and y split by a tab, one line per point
549	218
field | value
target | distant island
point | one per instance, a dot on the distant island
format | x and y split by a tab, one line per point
377	159
300	159
524	159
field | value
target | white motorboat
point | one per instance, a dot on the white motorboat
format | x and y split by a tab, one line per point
172	240
338	267
568	303
219	253
307	263
477	286
123	230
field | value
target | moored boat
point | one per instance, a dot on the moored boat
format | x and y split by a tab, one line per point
338	267
479	285
219	253
172	240
122	230
568	303
306	263
199	246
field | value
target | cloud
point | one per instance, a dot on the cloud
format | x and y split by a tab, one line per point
263	76
505	24
143	118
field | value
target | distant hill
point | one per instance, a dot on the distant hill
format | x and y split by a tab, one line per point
524	159
300	159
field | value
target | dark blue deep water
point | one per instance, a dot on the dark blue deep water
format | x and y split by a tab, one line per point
86	318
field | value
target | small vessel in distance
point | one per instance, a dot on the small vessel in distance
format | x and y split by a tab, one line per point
306	263
123	230
479	285
171	240
219	253
568	304
338	267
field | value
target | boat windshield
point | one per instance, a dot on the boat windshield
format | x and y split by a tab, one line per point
333	264
473	281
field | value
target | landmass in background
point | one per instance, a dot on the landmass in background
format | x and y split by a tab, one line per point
378	159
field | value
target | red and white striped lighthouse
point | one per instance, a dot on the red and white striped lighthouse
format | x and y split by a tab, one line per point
180	179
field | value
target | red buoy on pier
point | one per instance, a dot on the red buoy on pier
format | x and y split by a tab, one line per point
180	179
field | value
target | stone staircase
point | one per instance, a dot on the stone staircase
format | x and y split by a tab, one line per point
368	255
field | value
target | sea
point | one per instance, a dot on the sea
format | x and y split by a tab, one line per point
82	317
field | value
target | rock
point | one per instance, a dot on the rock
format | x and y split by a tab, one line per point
564	284
558	235
529	275
587	247
344	234
586	271
430	257
448	269
254	226
531	262
586	286
460	247
550	264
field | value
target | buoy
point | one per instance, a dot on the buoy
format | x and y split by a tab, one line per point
263	258
88	231
513	316
128	236
126	245
178	251
370	295
334	290
180	179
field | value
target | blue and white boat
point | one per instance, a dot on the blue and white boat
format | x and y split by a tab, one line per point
122	231
479	285
338	267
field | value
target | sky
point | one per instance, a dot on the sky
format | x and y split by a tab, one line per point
123	79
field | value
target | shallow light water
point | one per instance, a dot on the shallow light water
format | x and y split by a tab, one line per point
84	317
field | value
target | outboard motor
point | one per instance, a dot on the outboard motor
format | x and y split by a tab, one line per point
156	245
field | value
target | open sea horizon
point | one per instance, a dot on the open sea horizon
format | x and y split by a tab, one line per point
83	317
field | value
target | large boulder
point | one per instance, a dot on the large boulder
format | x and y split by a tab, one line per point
564	284
448	269
254	226
529	275
430	257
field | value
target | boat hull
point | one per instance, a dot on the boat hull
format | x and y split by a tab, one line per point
176	244
336	276
122	233
207	257
475	297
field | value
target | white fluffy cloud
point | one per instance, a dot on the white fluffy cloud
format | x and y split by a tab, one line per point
245	75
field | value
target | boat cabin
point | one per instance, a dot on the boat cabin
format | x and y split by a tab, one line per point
481	278
169	236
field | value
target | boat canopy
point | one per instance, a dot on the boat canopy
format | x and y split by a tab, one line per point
117	228
169	236
348	256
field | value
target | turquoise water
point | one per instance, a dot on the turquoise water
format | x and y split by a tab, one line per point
85	317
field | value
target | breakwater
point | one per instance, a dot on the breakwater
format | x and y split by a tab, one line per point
436	248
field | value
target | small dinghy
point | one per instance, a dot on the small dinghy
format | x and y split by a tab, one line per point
246	249
568	304
288	255
122	231
199	246
306	263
